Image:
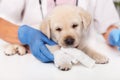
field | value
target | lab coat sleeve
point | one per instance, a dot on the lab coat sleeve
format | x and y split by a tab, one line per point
11	10
105	15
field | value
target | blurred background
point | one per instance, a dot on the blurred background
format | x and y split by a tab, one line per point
117	5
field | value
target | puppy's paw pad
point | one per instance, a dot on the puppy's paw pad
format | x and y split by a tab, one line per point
64	69
21	50
8	54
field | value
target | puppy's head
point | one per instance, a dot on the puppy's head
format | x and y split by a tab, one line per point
66	24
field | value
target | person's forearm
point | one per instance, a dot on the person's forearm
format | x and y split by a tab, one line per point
106	34
9	32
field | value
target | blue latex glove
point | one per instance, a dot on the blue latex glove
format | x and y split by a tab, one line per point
36	40
114	37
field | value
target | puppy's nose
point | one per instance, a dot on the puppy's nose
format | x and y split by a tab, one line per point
69	41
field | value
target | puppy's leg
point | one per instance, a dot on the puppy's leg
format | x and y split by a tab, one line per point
61	59
14	49
99	58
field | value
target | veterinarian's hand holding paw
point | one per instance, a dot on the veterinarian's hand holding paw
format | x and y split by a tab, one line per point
36	41
114	37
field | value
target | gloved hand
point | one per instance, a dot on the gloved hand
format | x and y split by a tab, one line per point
36	40
114	37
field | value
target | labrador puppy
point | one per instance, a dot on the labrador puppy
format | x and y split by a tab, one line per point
69	26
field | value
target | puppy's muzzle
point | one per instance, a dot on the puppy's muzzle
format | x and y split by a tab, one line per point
69	41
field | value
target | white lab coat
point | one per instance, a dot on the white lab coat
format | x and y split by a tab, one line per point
28	12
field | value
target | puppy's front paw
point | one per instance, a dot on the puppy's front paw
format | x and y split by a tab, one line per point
62	61
21	50
14	49
10	50
100	59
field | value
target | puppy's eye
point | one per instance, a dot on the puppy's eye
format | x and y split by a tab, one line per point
58	29
74	25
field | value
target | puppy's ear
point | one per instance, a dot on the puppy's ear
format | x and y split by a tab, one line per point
45	27
86	18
